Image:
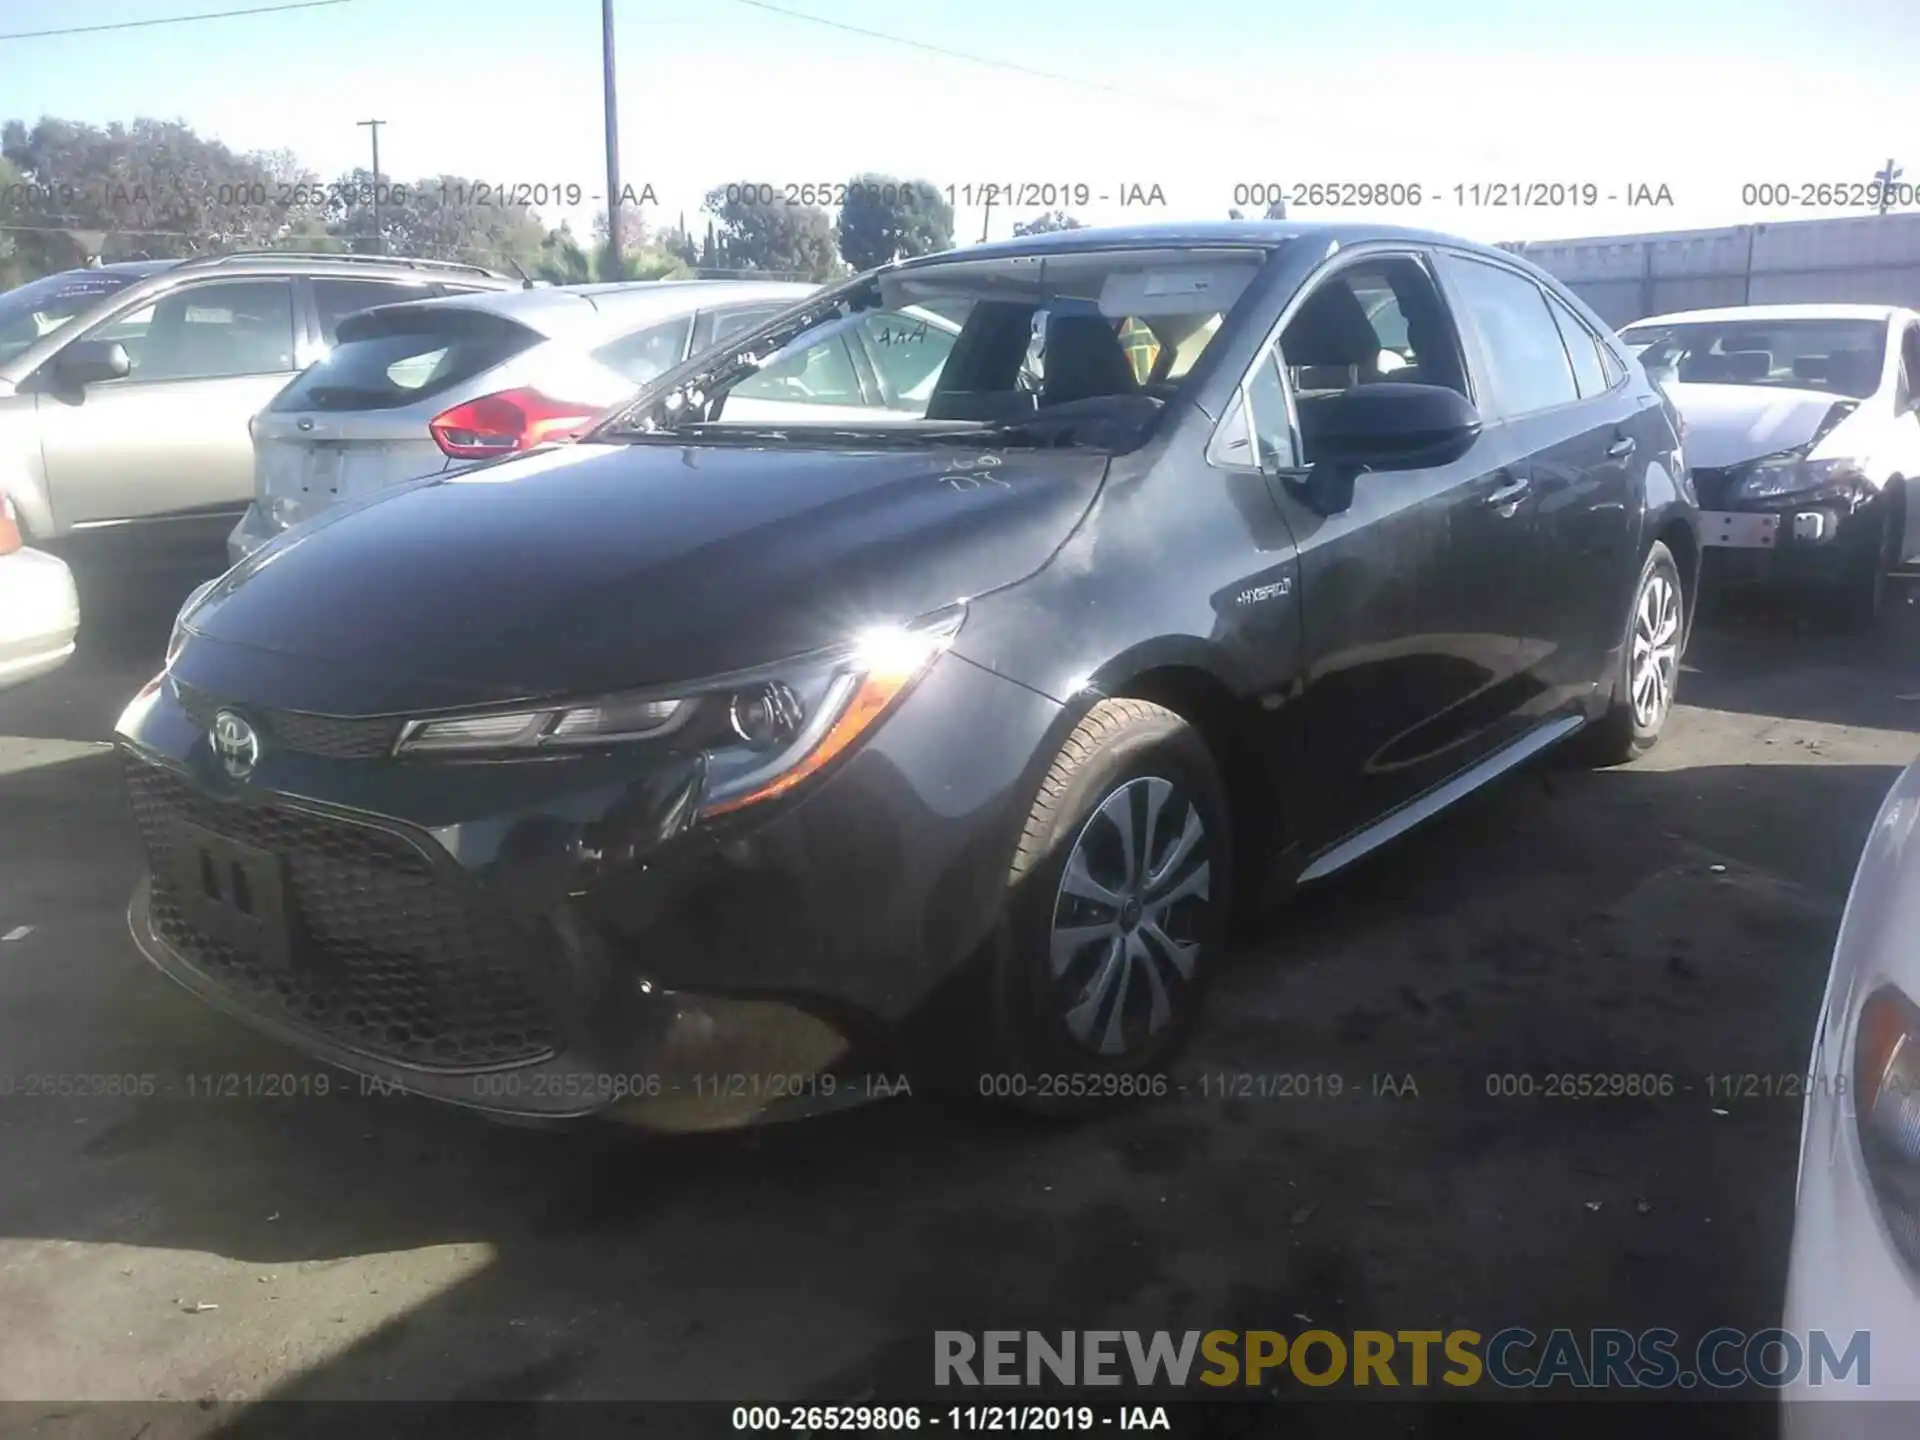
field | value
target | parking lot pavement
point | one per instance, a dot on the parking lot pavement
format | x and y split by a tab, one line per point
1670	918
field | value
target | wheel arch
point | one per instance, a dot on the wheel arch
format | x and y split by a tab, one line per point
1682	538
1229	726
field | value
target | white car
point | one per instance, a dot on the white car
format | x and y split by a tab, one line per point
1803	436
415	389
1855	1263
39	609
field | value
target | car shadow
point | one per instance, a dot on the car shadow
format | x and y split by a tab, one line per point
1772	654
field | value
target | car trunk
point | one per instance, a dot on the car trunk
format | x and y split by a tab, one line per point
359	420
306	463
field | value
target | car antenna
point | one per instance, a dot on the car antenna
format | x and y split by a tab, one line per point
526	280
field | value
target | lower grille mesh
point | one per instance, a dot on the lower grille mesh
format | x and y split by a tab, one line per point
392	958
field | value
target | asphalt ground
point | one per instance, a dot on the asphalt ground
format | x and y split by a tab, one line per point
1673	917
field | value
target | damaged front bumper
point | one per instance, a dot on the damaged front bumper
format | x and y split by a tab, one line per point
1815	538
551	939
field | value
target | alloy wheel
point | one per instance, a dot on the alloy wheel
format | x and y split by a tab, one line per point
1128	915
1656	650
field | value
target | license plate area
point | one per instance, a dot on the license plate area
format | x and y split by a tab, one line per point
1739	530
233	893
323	470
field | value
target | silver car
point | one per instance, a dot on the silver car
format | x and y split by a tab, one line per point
413	390
125	389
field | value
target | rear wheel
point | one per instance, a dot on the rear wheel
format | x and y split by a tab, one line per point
1649	670
1120	889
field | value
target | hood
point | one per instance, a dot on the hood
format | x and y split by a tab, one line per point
1731	424
597	567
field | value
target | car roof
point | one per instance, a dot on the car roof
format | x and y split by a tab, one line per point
1196	235
558	311
1808	311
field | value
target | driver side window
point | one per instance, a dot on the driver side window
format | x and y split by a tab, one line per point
210	331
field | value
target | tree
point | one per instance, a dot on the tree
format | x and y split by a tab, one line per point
438	217
756	233
567	262
1046	224
678	241
150	187
13	266
885	219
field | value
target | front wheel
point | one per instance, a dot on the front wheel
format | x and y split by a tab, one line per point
1863	592
1120	889
1649	669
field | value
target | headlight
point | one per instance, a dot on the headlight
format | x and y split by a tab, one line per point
1792	474
1886	1103
192	603
761	731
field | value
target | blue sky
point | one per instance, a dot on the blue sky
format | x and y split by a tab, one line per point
1700	96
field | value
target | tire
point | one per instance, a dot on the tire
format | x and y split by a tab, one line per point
1862	600
1629	729
1074	1026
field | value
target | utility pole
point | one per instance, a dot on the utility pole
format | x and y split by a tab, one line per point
1886	178
614	266
379	235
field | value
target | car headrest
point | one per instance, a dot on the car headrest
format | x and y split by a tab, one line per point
1330	328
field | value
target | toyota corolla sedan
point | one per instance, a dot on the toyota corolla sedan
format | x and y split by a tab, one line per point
719	766
1803	427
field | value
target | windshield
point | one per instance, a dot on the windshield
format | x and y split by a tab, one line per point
42	306
1074	348
1841	357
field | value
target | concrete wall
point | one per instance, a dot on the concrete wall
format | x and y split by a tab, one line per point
1870	258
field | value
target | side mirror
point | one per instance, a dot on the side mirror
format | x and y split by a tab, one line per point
1389	426
87	362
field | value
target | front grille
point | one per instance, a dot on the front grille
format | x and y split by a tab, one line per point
335	736
1713	484
392	957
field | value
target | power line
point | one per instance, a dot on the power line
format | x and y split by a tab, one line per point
1351	124
170	20
1125	91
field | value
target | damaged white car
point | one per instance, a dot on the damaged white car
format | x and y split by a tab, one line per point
1803	436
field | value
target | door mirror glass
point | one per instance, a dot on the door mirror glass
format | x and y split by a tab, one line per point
87	362
1389	425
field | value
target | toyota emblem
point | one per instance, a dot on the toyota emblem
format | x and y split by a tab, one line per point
236	744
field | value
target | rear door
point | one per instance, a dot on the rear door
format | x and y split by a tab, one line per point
170	440
1572	418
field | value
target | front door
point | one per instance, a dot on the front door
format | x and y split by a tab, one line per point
171	438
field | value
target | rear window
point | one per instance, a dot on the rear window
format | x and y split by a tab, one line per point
391	359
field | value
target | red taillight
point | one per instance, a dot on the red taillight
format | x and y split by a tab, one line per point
512	420
10	540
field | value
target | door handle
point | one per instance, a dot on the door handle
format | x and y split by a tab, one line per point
1511	493
1621	448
